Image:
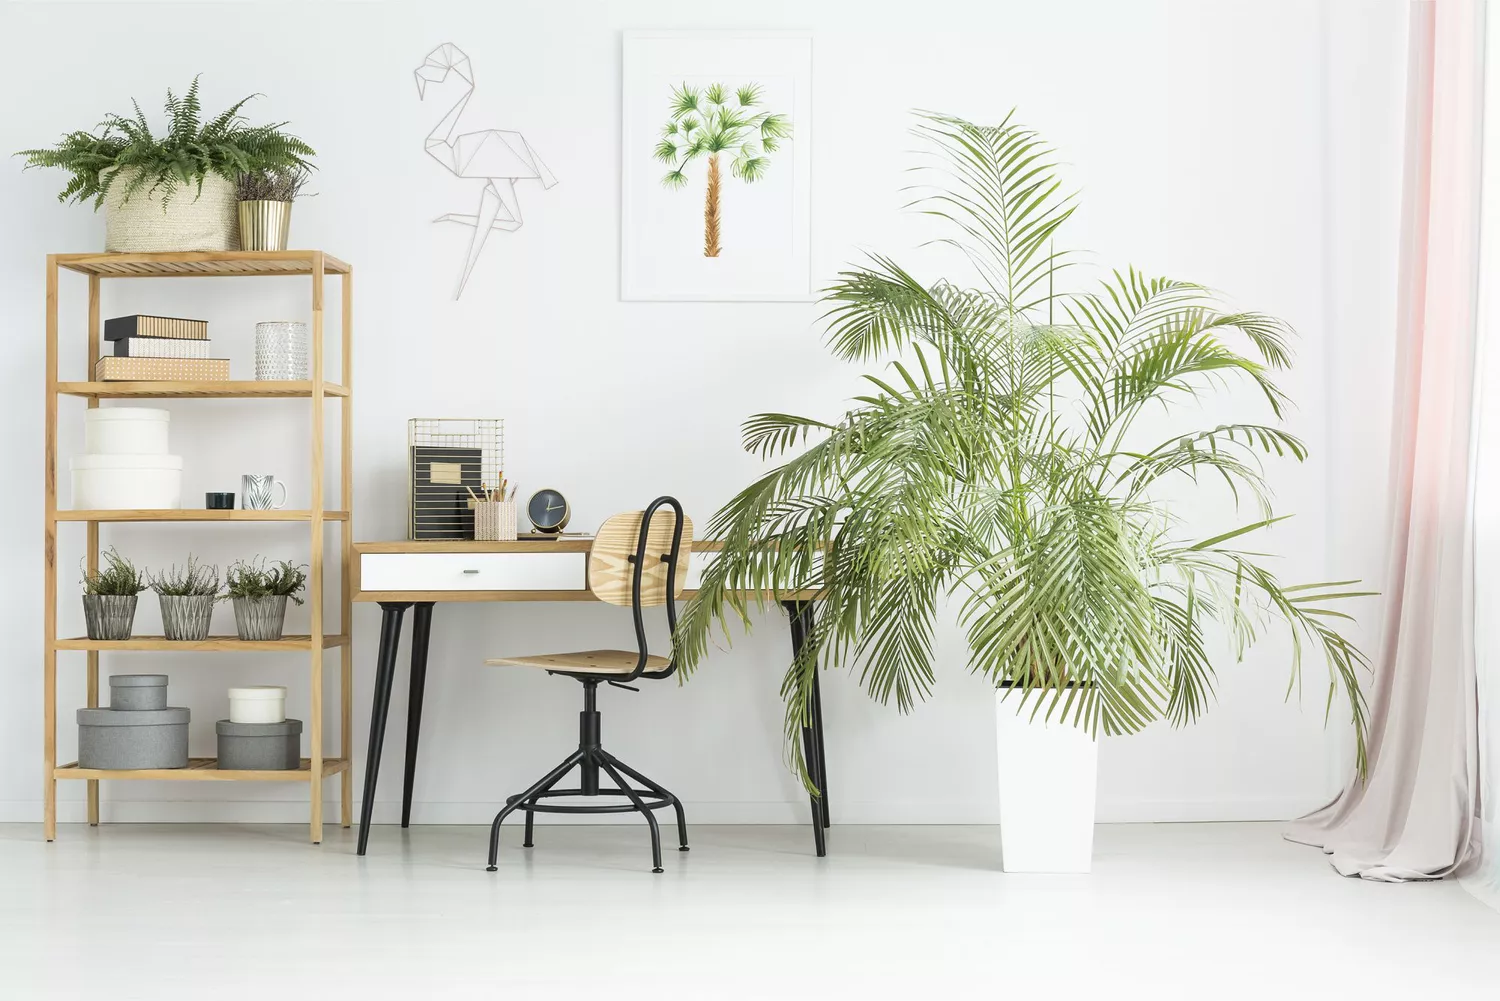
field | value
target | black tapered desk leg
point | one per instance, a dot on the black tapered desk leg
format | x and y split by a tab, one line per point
385	673
421	632
812	736
817	721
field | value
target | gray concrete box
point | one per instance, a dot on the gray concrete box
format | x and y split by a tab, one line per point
138	691
260	746
146	738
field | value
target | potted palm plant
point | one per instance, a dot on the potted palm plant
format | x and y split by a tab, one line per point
174	191
187	597
110	594
260	594
1002	467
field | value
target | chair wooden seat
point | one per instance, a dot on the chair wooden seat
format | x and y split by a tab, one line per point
585	662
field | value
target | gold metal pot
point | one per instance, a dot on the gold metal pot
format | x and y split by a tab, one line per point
264	225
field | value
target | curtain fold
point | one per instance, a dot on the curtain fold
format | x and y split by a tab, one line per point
1485	882
1415	816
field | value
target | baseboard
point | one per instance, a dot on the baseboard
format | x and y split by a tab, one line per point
294	811
1187	811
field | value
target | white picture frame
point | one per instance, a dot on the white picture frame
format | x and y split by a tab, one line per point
762	230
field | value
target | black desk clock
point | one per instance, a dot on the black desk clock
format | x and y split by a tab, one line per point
548	511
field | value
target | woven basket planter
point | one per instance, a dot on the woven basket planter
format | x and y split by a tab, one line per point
260	618
186	616
109	616
191	221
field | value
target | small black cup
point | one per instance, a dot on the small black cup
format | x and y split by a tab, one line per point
219	501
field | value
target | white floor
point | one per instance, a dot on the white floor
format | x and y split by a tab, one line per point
1201	911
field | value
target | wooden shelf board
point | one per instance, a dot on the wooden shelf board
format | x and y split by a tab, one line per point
197	514
205	264
202	770
214	644
185	389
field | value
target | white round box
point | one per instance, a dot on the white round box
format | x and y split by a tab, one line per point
126	431
115	482
257	704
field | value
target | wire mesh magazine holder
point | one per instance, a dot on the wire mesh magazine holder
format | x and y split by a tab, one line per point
640	560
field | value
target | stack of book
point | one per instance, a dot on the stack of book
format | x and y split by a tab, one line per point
159	349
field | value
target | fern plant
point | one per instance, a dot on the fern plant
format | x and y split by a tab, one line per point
1001	465
123	149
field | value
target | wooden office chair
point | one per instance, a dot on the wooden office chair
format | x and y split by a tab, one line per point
635	560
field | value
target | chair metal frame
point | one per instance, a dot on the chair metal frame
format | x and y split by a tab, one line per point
591	757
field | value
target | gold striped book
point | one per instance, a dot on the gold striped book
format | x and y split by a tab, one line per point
142	325
113	369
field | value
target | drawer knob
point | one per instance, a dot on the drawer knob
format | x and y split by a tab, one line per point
471	571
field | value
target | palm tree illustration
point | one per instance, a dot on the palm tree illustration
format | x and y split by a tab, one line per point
713	121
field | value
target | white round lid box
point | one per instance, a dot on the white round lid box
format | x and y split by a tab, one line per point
126	431
113	482
257	704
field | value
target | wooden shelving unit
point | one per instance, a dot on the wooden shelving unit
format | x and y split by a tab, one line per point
315	265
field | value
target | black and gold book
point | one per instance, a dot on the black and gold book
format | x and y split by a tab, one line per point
142	325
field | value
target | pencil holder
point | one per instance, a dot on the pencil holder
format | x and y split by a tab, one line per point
495	521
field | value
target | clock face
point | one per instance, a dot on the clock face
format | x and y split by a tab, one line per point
548	510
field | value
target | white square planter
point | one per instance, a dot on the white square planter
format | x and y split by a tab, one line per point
1048	776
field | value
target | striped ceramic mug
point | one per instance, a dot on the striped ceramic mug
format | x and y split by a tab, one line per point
256	492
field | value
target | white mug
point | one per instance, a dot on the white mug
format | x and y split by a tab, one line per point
256	492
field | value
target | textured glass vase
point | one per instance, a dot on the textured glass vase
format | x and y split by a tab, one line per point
186	616
260	618
281	351
109	616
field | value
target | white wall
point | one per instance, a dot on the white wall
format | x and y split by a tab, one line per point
1197	131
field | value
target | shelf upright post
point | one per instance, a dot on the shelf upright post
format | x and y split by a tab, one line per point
91	539
315	560
49	575
346	536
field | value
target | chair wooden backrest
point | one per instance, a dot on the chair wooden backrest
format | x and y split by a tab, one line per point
611	568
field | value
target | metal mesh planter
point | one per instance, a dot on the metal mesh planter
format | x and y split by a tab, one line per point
186	616
109	616
260	618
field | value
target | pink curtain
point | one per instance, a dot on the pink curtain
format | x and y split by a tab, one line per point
1415	817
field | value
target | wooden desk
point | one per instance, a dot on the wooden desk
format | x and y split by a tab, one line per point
402	575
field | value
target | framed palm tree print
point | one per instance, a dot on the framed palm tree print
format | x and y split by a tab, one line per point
715	167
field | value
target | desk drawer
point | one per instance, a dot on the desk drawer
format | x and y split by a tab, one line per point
472	571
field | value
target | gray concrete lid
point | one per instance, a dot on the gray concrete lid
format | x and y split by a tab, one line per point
137	680
133	717
285	728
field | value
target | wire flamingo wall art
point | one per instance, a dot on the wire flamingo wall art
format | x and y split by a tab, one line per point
498	157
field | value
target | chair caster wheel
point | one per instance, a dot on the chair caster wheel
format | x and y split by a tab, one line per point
683	848
491	868
658	869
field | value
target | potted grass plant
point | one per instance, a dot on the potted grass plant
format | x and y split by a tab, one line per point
172	191
1001	473
187	595
265	205
260	591
110	594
